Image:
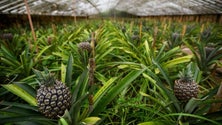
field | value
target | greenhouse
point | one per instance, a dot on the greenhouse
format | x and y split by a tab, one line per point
111	62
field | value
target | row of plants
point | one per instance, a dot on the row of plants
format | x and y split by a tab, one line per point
111	72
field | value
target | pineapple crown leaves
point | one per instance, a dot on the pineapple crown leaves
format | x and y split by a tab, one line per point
46	78
186	74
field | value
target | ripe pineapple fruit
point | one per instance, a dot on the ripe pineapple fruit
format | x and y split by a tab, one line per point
185	88
53	97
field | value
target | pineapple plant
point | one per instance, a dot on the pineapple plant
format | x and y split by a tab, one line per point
185	87
85	50
53	96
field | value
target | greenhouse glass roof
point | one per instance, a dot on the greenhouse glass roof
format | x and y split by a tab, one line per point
93	7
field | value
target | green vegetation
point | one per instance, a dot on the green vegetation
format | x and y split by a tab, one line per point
127	77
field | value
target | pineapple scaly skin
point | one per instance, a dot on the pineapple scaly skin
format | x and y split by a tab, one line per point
85	46
53	97
185	89
53	100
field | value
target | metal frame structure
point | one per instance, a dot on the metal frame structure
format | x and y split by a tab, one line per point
67	7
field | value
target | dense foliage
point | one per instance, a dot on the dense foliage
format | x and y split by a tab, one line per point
131	82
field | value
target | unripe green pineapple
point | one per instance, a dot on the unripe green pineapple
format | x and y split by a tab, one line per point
185	88
53	97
